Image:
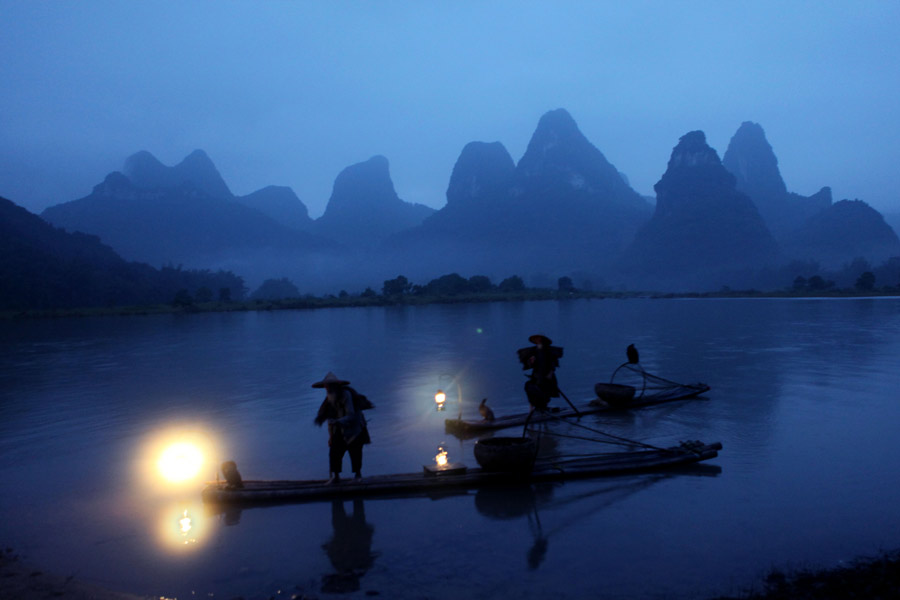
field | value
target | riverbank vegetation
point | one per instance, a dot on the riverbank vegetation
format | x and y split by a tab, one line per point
869	578
282	294
22	581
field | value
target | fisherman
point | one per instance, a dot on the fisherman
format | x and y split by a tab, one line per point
542	359
347	430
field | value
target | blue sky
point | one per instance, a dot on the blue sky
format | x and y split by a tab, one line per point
290	93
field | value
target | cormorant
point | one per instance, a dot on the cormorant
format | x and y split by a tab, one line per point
486	411
632	354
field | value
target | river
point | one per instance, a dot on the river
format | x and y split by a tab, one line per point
804	399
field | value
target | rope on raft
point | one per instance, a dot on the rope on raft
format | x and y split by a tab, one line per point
614	439
562	458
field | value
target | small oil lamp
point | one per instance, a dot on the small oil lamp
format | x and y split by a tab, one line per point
443	466
440	398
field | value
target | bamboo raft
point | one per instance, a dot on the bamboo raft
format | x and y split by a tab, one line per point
461	426
427	481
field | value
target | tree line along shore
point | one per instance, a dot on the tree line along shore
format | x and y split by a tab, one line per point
448	289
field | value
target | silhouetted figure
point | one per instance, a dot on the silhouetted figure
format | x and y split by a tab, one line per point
350	549
632	354
347	431
542	359
485	411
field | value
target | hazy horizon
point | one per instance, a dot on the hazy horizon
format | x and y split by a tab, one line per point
292	93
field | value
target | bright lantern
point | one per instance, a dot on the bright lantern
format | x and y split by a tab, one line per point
180	462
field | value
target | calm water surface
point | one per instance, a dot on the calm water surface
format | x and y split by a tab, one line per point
804	399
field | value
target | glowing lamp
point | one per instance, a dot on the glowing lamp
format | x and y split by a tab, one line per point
442	465
440	458
439	398
180	462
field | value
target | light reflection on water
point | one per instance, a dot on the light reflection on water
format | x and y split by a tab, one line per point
183	526
803	398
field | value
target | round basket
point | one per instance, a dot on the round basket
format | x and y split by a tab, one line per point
615	394
509	454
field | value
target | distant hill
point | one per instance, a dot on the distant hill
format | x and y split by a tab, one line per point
185	215
566	195
364	208
180	225
43	267
480	185
844	231
893	219
196	172
703	231
562	208
807	227
752	161
280	204
560	165
470	233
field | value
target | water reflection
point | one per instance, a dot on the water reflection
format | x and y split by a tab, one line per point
518	502
229	514
785	375
527	501
182	526
349	549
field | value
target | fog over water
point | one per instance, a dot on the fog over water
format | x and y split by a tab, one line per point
291	93
803	400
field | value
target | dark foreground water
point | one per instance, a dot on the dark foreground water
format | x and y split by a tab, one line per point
804	399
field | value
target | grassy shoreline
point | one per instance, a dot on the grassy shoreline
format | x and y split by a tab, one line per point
313	302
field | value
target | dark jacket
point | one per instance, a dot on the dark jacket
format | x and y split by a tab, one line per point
543	363
327	412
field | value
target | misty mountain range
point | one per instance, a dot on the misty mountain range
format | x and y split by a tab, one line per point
44	267
563	209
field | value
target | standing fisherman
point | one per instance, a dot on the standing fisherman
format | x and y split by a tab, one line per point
542	359
347	431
